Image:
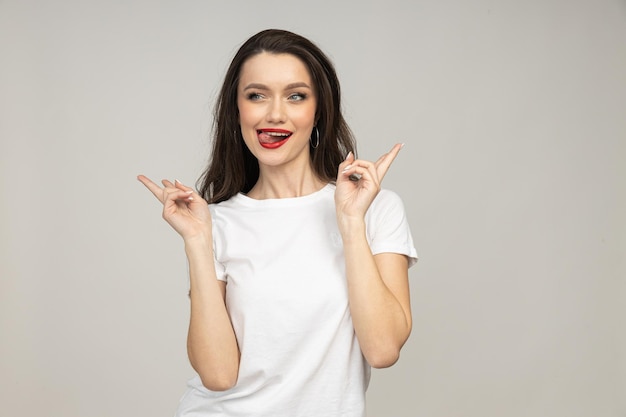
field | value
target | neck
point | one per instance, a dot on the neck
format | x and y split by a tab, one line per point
282	184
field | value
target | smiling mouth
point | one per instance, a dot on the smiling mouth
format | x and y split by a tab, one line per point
273	138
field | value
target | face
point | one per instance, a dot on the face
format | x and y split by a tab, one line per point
277	104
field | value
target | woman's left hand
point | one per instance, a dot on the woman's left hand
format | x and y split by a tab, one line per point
353	198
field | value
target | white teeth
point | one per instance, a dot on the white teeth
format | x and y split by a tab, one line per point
278	134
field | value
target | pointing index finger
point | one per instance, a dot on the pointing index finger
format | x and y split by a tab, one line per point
384	162
154	188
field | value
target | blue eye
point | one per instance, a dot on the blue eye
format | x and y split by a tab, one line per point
254	96
297	97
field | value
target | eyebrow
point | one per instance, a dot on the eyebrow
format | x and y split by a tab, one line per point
257	86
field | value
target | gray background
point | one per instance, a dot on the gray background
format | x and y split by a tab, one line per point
513	176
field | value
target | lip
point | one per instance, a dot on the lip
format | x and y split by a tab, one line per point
273	145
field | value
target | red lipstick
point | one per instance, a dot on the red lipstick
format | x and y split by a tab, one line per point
273	138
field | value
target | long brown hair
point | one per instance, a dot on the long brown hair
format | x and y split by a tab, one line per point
232	168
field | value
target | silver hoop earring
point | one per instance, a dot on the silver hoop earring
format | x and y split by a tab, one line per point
315	133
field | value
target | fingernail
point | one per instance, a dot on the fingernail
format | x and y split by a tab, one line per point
402	145
347	168
348	155
178	181
189	192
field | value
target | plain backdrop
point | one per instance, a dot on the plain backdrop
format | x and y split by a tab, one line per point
513	177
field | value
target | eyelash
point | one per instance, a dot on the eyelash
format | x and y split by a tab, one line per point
254	96
301	96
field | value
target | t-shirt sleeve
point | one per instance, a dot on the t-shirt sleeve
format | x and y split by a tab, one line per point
388	229
220	268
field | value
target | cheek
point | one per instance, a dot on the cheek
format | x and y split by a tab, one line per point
249	115
308	115
311	115
312	109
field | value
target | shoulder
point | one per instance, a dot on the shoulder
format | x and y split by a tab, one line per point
386	200
387	195
388	228
232	202
224	213
386	212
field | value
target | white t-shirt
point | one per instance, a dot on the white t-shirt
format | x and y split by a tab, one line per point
287	298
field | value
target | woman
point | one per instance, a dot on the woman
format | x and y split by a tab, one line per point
299	262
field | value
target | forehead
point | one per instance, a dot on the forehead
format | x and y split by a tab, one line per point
274	70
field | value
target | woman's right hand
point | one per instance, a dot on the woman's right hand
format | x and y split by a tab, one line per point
211	341
183	208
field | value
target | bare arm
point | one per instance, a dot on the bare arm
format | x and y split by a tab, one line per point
378	286
379	299
211	342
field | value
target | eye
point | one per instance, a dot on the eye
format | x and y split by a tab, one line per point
297	96
254	96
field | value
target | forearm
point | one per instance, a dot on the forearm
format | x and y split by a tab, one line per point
211	342
381	323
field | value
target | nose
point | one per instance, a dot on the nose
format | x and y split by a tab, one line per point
276	112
